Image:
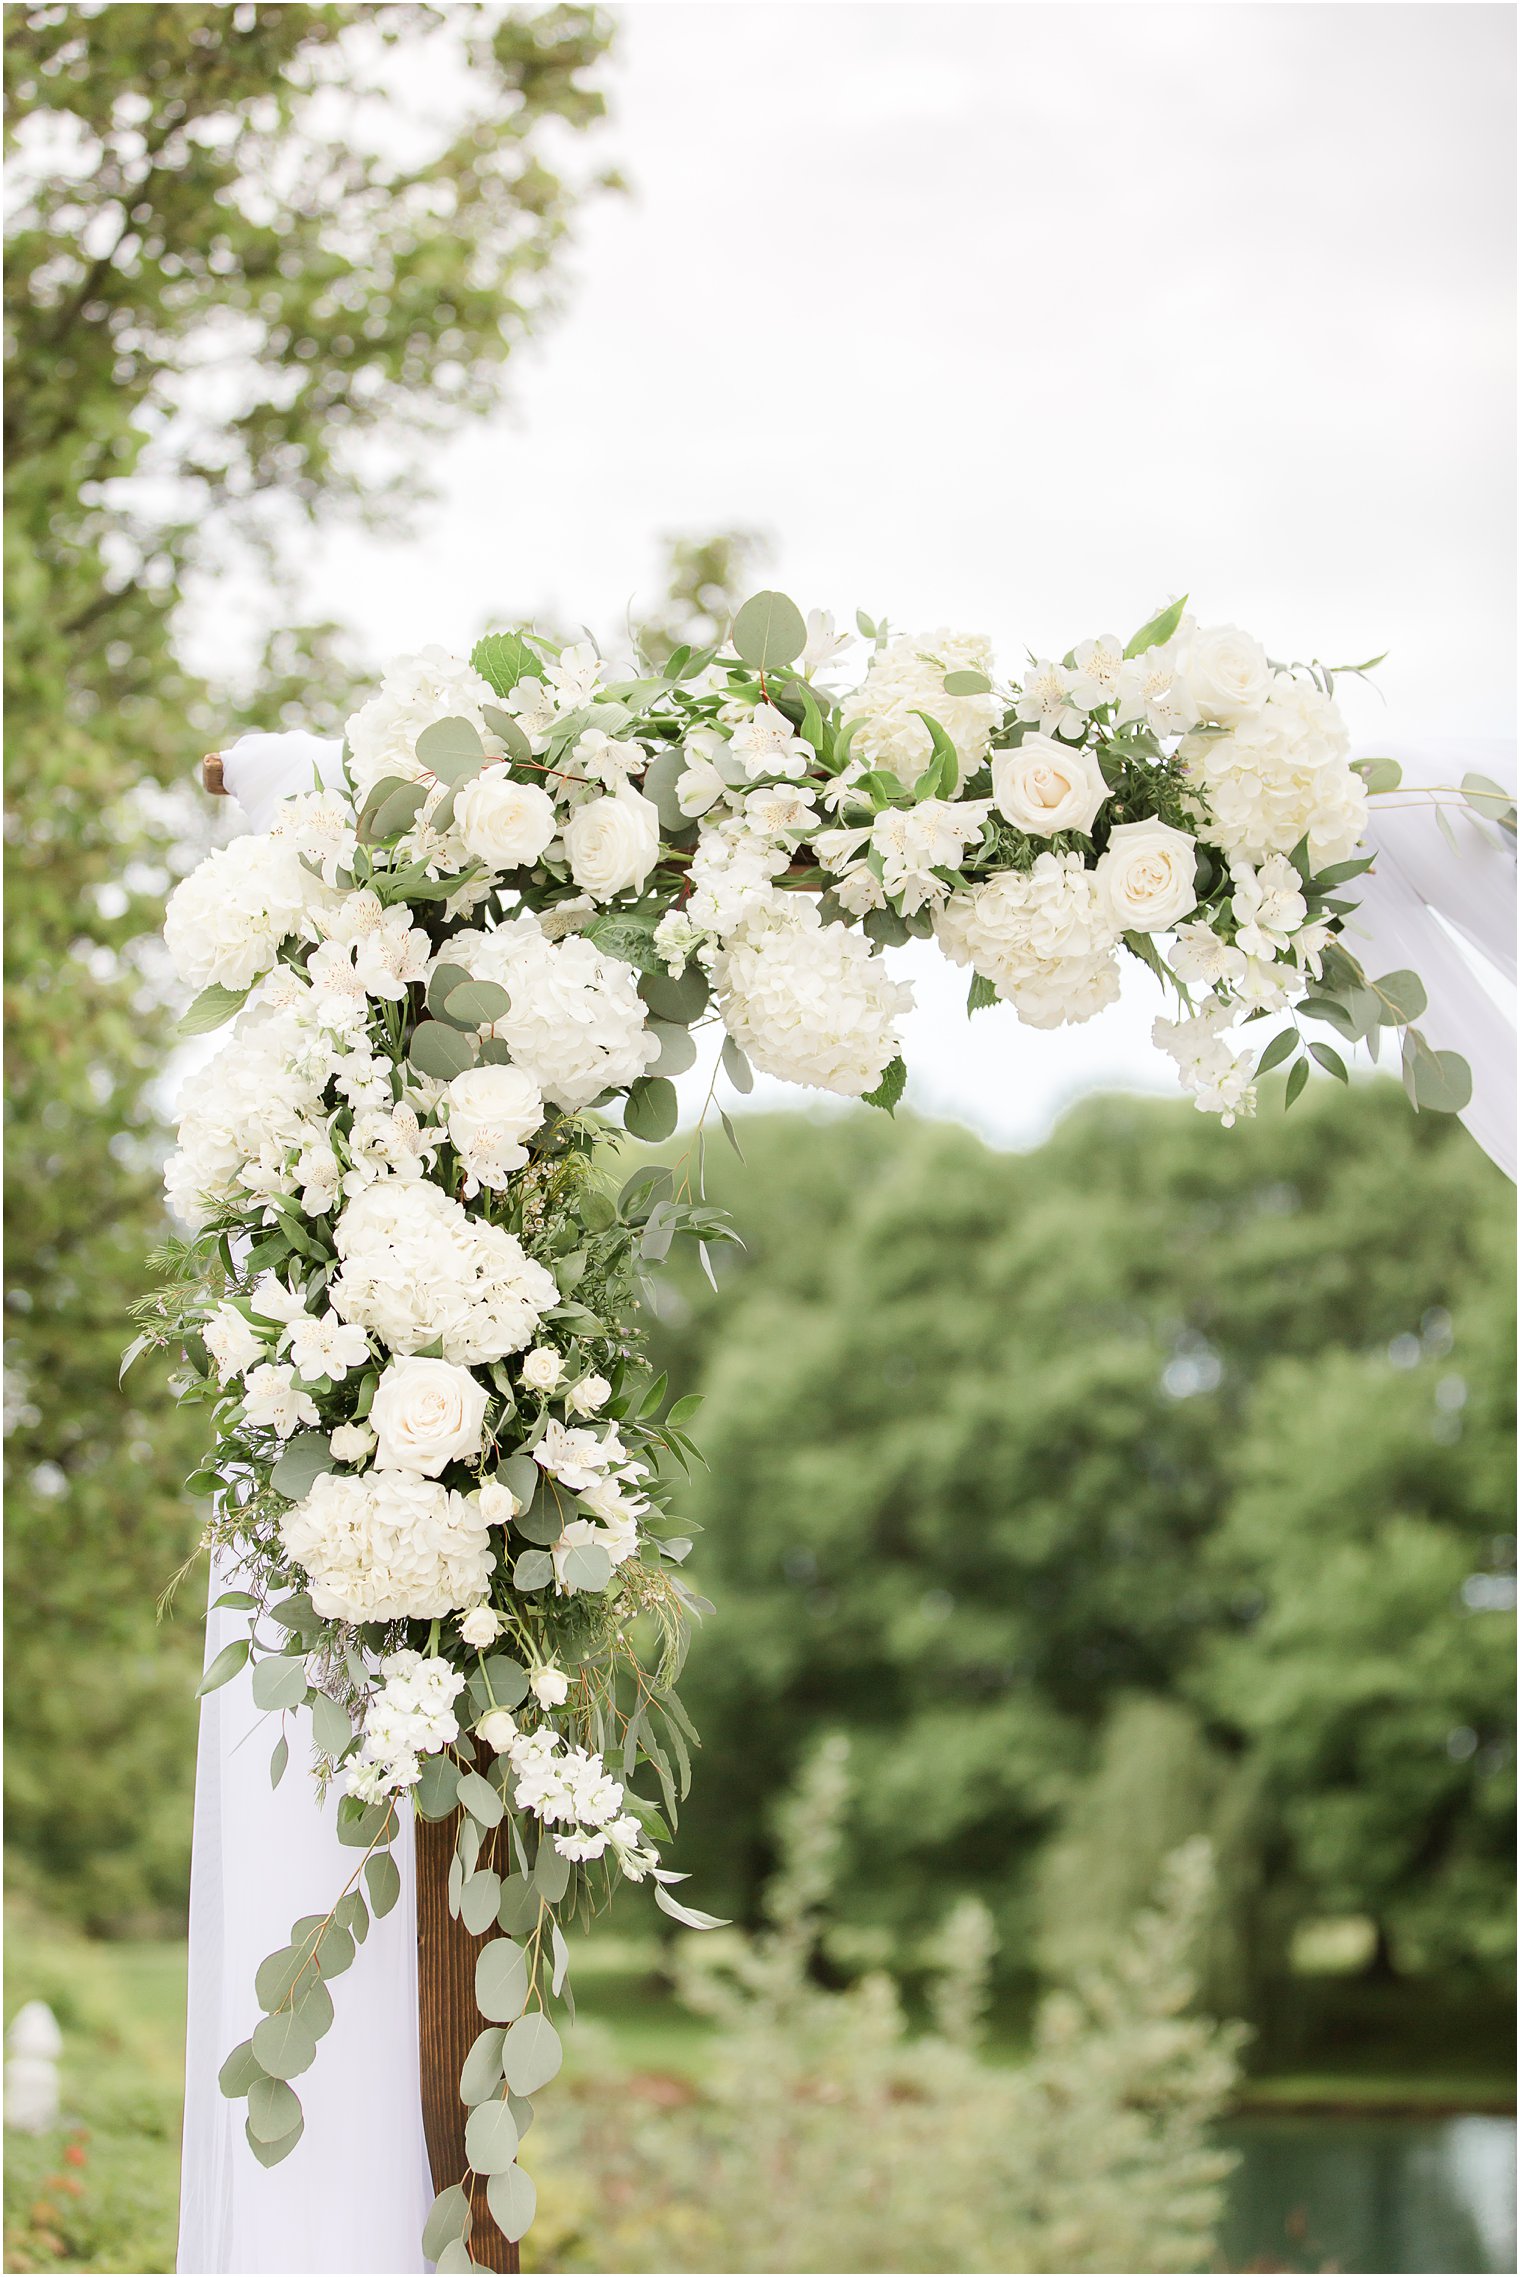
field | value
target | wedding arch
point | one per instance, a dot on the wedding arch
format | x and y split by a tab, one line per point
463	957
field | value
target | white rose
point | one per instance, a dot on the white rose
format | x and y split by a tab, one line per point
1227	674
498	1730
491	1111
505	824
550	1687
542	1368
588	1395
1147	879
613	843
351	1442
497	1503
480	1626
1044	786
427	1414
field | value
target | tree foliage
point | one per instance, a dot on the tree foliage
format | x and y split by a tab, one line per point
1003	1445
246	278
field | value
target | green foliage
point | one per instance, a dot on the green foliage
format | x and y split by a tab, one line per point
342	295
703	580
827	2137
1001	1443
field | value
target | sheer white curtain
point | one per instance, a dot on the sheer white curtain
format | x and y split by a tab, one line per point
354	2193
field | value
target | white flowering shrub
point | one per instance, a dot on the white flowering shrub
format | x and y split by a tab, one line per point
828	2135
409	1300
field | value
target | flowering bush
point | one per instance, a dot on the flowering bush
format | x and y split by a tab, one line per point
441	1467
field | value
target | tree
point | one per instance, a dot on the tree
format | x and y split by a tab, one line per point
245	282
1000	1445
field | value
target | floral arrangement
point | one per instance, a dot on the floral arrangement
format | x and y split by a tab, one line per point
440	1466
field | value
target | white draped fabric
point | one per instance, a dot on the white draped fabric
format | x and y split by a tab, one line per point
355	2192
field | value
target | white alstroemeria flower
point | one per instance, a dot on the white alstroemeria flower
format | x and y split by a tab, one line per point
767	744
823	643
1200	958
1268	905
915	841
1100	667
1153	687
231	1342
271	1300
699	787
324	1346
272	1401
837	849
1266	985
577	1458
781	810
860	890
574	675
1047	697
1309	944
601	758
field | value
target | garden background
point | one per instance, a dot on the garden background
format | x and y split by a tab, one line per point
1106	1479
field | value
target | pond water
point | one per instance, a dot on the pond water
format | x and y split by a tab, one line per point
1377	2195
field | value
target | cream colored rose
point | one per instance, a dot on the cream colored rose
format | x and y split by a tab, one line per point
498	1729
491	1111
497	1503
543	1368
1044	786
1227	674
613	843
480	1626
427	1414
1147	878
505	824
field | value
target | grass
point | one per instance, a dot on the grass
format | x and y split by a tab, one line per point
101	2193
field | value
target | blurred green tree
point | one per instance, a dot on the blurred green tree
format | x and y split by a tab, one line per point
1003	1444
247	279
705	578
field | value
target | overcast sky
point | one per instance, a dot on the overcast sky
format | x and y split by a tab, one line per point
1022	318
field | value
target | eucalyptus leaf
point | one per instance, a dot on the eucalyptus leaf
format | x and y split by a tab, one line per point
480	2077
490	2137
478	1003
284	2044
481	1800
270	2154
239	2072
513	2202
451	749
501	1983
587	1567
652	1109
687	1915
1402	995
534	1569
449	2219
769	632
659	786
680	1000
279	1683
274	2110
383	1878
302	1462
736	1067
677	1051
330	1725
531	2054
275	1978
440	1051
279	1757
437	1791
225	1666
551	1879
518	1912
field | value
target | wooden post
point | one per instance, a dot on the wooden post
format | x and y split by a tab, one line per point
447	2022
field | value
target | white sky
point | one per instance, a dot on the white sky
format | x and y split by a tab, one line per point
1021	318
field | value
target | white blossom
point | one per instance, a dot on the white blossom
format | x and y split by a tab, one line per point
907	677
387	1546
417	1268
810	1002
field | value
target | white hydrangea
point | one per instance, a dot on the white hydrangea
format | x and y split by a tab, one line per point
907	677
388	1546
226	921
577	1022
416	691
246	1116
809	1002
1282	774
1042	937
1220	1082
731	872
417	1268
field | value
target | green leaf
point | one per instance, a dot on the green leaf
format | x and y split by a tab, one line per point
437	1791
456	2256
451	749
513	2202
274	2110
551	1879
480	1799
302	1462
508	1679
1330	1059
501	1985
490	2138
279	1682
479	1900
449	2219
276	1976
518	1914
967	684
360	1825
279	1757
478	1004
1403	997
392	815
587	1567
1380	775
534	1569
981	995
1282	1044
239	2072
520	1475
284	2044
1439	1083
652	1108
330	1725
440	1051
509	734
531	2054
235	1601
1489	799
681	1000
687	1915
270	2154
214	1006
1341	873
769	632
481	2075
1298	1076
225	1666
503	659
1159	630
677	1051
383	1877
445	979
890	1089
314	2004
